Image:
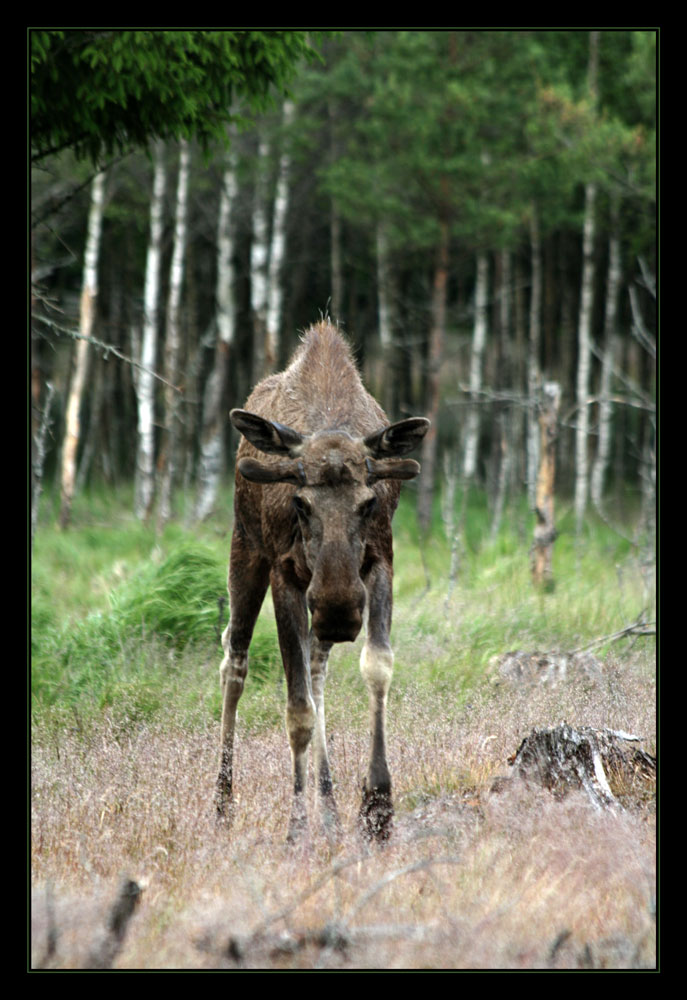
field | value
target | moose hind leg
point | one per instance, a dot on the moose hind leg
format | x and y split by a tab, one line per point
292	627
248	581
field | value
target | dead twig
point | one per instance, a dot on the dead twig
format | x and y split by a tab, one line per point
640	627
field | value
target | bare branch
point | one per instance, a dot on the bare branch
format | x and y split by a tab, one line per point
105	348
648	279
638	327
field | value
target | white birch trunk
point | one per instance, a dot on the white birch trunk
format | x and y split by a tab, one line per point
607	364
87	314
584	329
533	373
479	339
145	457
502	422
386	308
259	262
384	293
172	337
277	252
211	459
584	357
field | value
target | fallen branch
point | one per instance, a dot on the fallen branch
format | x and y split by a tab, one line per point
105	950
336	935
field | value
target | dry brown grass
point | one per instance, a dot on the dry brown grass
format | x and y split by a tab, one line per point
470	880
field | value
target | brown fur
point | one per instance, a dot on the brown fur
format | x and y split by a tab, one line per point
317	484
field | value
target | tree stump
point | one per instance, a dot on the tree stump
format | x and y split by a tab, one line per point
596	761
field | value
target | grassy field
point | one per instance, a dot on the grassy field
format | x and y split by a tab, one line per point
124	724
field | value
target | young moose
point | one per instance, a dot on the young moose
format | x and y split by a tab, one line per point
317	483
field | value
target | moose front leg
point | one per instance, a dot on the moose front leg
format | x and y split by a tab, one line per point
248	580
292	627
376	666
319	653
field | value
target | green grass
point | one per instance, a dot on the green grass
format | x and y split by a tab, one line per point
127	621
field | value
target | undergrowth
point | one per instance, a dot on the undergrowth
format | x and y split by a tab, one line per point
128	620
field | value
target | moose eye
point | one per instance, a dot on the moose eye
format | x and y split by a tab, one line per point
301	506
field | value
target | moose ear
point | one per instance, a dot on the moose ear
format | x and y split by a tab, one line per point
274	472
267	435
391	468
397	439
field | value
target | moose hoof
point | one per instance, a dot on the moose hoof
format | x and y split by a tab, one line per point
376	815
298	824
329	820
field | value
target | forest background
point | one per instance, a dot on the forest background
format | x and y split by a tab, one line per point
477	209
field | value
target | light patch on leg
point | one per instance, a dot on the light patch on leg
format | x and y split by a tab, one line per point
377	667
233	667
300	722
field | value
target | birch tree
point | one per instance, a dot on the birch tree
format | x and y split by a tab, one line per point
172	339
211	459
259	260
435	361
613	280
275	293
533	349
503	430
144	487
386	313
584	353
479	339
89	295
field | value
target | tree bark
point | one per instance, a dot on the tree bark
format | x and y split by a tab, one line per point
479	338
173	342
545	530
278	252
585	324
584	358
436	356
145	382
211	461
607	362
534	347
386	317
39	458
87	316
502	415
259	262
